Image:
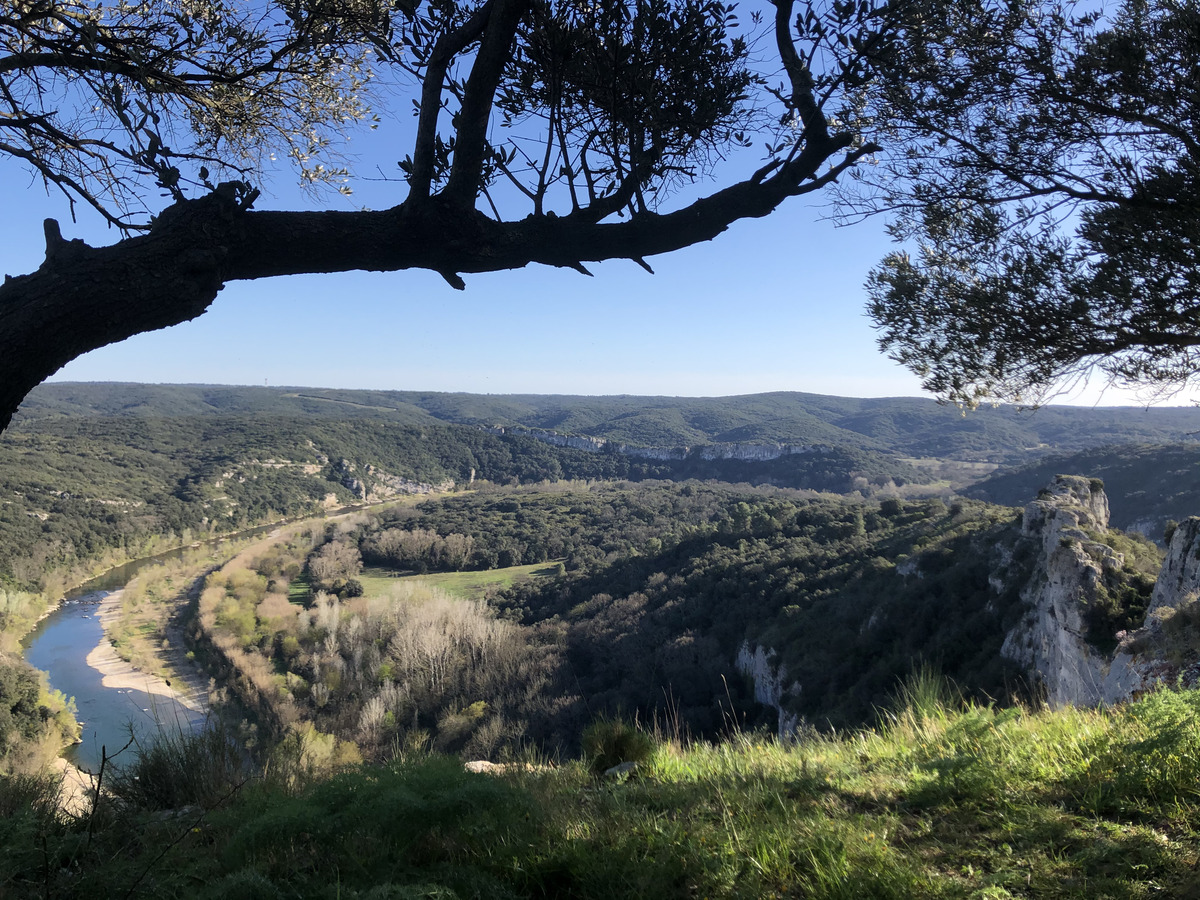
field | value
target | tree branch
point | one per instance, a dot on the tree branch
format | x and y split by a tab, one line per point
88	297
447	47
495	50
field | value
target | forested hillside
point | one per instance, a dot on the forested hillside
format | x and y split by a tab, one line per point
905	425
652	586
652	593
77	489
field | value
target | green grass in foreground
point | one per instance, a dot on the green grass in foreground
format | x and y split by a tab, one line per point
939	801
377	581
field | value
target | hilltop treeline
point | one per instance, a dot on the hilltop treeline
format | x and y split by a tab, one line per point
906	425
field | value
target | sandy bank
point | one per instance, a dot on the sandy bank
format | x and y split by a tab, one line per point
121	675
75	796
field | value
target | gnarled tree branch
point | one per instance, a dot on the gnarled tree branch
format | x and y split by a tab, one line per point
83	297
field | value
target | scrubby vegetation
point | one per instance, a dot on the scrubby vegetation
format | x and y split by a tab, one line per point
942	799
35	721
658	590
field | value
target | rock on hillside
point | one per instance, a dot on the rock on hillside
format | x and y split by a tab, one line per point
1078	583
771	685
1164	650
1052	639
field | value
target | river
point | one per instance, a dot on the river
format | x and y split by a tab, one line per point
59	645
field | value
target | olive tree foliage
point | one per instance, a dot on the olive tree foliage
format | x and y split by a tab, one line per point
107	101
546	131
1044	183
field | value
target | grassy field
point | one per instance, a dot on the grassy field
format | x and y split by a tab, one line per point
376	581
941	800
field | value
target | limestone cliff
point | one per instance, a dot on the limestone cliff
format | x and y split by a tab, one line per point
1051	641
769	684
1075	606
1179	581
1163	650
374	485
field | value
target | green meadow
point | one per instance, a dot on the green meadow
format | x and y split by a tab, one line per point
377	581
942	799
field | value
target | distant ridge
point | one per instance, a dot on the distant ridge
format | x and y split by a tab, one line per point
904	425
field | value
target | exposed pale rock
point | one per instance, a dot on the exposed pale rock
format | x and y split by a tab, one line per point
376	485
482	767
756	452
621	770
1139	665
1179	581
1050	640
769	680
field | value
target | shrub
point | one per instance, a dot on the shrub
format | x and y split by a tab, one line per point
183	768
610	742
307	755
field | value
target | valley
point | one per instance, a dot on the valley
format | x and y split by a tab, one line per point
473	577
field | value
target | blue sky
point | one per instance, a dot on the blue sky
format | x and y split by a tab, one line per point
773	304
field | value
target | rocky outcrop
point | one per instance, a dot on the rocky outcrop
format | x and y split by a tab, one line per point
1051	639
769	684
1179	581
374	485
1159	653
1069	577
753	452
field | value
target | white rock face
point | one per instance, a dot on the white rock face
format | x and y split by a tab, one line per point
756	452
1179	581
1139	664
379	485
1050	640
769	680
